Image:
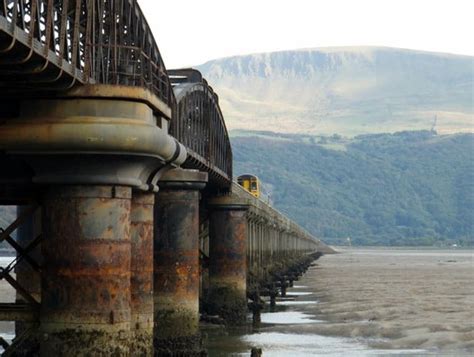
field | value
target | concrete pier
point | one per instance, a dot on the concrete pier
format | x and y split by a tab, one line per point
141	281
228	260
176	263
85	297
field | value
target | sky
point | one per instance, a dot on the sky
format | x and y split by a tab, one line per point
191	32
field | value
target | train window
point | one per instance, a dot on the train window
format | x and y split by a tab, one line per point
254	186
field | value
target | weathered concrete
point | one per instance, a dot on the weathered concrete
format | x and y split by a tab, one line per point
227	295
176	264
85	293
142	274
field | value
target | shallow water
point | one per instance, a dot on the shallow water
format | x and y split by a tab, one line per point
298	293
287	318
277	337
368	303
299	345
361	303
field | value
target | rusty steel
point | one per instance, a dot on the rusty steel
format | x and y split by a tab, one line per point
198	123
52	48
228	262
141	232
18	312
85	307
97	135
277	250
47	44
176	263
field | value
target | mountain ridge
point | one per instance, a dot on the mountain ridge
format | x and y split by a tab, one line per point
345	90
333	49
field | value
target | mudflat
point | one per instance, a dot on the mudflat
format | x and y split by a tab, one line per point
395	299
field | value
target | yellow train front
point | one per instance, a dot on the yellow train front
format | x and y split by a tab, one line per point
250	183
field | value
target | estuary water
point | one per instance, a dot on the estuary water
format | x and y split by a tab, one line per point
362	302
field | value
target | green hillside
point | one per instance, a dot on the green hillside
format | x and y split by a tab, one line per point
407	188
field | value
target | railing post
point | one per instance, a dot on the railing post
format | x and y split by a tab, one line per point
228	261
85	297
176	263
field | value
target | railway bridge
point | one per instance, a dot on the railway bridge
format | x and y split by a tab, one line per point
129	225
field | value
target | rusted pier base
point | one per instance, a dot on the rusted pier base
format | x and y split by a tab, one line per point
176	264
142	274
85	307
228	260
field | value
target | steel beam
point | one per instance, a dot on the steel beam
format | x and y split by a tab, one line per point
26	313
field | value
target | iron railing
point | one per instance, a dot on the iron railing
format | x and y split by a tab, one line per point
199	125
53	44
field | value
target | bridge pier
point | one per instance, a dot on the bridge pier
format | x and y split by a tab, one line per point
85	297
141	281
176	263
227	295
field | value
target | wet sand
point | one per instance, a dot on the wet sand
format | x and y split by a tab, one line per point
364	302
396	299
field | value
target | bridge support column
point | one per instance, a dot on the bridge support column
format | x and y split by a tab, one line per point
85	307
141	281
228	260
176	263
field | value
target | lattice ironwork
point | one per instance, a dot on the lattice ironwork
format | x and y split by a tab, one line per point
199	125
53	44
22	254
27	310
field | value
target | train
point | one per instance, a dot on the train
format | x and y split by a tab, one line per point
251	183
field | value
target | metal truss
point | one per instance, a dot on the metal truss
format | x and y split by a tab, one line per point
199	125
54	44
28	311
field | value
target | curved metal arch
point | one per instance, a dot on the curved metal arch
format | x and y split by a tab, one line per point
199	125
53	44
